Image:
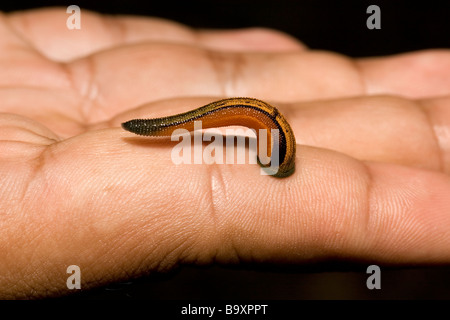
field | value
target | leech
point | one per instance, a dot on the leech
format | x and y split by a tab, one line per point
248	112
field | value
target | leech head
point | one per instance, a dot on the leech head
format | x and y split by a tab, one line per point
141	127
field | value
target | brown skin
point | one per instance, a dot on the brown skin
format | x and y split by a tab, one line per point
373	153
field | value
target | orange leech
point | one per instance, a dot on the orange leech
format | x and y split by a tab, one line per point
248	112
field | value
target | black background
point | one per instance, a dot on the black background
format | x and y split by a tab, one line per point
326	25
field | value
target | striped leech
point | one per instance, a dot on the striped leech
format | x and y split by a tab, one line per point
248	112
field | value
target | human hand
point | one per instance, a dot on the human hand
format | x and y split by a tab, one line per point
373	154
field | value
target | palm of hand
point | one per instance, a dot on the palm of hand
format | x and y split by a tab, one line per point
372	179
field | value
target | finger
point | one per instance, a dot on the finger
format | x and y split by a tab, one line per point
417	74
118	203
406	74
378	128
60	110
165	71
46	30
250	39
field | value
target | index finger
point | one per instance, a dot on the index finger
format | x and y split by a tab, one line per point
118	203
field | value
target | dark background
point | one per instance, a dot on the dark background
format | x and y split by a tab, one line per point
329	25
326	25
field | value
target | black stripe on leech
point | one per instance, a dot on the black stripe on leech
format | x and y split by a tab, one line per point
144	126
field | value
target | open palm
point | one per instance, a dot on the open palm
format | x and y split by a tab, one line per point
373	153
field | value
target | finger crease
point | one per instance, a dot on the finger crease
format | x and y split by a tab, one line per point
438	146
369	199
216	190
226	70
361	78
26	41
87	90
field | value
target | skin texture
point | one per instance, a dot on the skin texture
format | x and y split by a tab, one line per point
373	153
